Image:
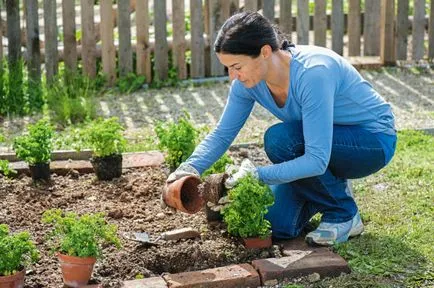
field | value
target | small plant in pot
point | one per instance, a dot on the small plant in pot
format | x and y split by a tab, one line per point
244	214
78	241
17	251
35	149
107	143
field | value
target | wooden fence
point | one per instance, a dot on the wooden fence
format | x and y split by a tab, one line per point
142	30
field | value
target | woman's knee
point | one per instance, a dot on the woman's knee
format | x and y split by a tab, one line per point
284	141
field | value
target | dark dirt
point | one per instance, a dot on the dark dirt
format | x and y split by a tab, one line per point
132	203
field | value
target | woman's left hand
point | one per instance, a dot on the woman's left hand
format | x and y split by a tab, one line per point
247	167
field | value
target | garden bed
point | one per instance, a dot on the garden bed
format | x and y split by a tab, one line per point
132	203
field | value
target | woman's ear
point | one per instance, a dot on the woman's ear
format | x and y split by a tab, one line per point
266	51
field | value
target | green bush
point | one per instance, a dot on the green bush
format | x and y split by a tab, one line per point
16	251
177	139
219	166
71	98
244	215
80	236
130	83
5	169
36	146
105	137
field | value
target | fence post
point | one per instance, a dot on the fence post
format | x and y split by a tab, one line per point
402	30
418	29
285	18
50	31
371	26
33	49
69	40
251	5
337	26
1	39
88	45
143	50
125	50
178	23
320	23
387	48
354	28
431	32
219	11
108	50
161	48
197	41
13	30
268	10
302	22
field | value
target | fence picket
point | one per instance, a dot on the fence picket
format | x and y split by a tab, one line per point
1	38
285	18
418	30
219	11
125	50
320	23
337	26
143	47
387	48
354	27
88	51
33	49
268	10
50	32
161	47
108	50
197	41
371	26
431	32
69	39
402	30
251	5
302	22
178	15
234	6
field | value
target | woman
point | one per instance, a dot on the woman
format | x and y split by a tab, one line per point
334	127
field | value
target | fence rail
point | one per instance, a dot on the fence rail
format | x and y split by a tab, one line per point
156	34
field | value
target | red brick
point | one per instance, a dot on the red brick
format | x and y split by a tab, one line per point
153	282
142	159
242	275
302	260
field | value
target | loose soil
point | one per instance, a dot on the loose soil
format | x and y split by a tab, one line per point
132	203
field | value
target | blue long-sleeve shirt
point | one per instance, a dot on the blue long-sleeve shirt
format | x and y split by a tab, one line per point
324	90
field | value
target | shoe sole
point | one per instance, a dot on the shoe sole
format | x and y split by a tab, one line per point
357	231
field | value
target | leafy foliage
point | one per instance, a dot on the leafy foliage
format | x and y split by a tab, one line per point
80	236
177	139
249	201
71	98
16	251
130	83
219	166
5	169
36	146
105	137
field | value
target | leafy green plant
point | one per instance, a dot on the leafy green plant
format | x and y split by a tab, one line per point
3	95
105	137
130	83
16	251
80	236
36	146
219	166
71	98
16	103
244	215
177	139
5	169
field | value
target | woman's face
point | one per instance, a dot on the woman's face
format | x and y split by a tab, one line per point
249	71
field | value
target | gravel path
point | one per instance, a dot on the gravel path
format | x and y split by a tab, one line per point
409	90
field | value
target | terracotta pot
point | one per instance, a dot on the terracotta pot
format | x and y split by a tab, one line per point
76	271
183	194
40	171
13	281
108	167
256	242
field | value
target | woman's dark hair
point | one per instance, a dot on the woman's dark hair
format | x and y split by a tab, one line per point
246	32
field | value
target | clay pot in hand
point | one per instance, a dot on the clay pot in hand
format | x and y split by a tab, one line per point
183	194
76	271
13	281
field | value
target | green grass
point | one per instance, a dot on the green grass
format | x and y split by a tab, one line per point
397	207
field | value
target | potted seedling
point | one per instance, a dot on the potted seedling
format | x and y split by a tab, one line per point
77	241
244	214
17	251
35	149
107	142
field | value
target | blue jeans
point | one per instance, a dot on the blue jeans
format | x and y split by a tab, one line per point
355	153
